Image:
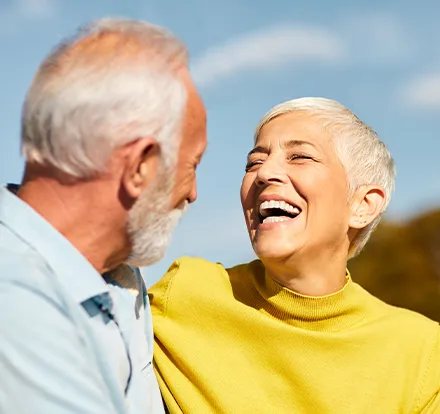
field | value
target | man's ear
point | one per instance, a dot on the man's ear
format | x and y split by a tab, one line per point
367	204
142	159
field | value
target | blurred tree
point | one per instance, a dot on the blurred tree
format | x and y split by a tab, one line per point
401	264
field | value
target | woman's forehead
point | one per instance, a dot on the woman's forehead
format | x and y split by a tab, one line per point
293	130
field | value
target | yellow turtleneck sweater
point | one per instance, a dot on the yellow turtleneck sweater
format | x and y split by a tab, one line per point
234	341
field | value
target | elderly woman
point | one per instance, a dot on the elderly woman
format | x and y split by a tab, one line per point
291	332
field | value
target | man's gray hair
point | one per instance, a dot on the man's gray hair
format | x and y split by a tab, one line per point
365	157
115	81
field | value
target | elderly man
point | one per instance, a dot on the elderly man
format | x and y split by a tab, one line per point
112	132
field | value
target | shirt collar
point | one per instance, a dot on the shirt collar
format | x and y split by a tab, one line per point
70	267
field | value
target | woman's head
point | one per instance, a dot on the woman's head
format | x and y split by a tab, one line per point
317	181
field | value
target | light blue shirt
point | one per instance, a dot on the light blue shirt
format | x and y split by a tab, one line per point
69	342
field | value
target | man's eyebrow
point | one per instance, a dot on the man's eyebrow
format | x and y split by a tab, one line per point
289	144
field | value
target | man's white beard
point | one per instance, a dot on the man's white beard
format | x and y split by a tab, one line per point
150	224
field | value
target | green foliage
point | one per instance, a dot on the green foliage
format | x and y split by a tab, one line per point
401	264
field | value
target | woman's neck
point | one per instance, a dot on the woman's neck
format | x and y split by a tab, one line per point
313	277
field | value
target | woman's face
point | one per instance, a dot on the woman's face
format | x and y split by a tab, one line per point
294	193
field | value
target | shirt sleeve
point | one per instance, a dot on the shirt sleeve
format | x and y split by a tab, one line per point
45	366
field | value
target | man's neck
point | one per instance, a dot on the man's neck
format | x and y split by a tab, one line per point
80	213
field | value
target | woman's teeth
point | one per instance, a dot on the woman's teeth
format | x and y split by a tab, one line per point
267	206
275	219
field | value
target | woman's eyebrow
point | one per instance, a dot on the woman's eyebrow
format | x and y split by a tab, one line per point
259	149
289	144
297	143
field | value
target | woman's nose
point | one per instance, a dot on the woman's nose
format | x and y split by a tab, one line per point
271	171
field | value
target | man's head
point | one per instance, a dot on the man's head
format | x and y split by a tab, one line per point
116	103
331	169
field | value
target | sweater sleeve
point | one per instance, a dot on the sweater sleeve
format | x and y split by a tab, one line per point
173	296
433	406
158	294
429	401
175	301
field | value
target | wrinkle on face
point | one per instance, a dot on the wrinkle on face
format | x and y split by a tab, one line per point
297	148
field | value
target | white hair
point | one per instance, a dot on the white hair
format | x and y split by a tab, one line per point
366	158
112	83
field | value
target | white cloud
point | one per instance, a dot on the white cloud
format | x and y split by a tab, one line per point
36	9
422	91
376	38
268	48
20	12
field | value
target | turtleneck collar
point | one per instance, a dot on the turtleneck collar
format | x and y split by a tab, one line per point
335	312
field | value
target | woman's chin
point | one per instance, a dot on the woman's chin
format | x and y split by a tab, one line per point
279	241
274	249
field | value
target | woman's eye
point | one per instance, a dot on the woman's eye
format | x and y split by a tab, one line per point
300	157
251	164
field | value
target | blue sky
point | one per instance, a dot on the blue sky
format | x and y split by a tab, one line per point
379	58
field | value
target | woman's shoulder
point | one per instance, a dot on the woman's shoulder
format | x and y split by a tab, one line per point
192	278
197	267
414	322
419	340
397	316
416	333
194	267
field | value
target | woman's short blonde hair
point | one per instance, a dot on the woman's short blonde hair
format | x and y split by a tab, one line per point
365	157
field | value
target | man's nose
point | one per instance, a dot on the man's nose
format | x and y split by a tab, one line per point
193	193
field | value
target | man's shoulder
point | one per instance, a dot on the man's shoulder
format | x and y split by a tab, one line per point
16	253
25	270
42	343
27	293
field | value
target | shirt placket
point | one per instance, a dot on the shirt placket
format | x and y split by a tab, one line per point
105	305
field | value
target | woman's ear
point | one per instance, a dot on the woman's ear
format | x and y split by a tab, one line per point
367	205
142	159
